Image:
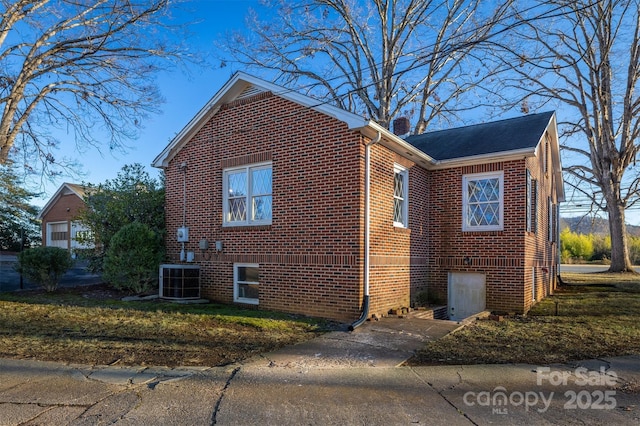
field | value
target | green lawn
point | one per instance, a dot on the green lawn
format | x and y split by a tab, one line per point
598	315
91	325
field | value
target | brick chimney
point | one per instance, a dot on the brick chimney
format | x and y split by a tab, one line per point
401	126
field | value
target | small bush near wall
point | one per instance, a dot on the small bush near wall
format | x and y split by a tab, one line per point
44	265
133	258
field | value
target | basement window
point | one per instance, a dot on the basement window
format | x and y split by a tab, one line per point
246	277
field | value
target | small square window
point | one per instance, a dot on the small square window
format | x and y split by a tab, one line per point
246	278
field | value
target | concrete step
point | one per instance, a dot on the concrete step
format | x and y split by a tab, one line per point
439	312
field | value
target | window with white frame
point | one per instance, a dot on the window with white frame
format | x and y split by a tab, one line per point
532	203
482	202
529	203
552	221
247	195
246	278
400	196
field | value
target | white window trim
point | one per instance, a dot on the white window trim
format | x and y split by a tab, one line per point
529	197
465	201
405	202
225	195
551	229
236	295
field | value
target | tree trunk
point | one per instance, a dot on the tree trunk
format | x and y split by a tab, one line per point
620	261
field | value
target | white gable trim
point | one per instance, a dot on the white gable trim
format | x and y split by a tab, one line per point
238	86
64	187
242	85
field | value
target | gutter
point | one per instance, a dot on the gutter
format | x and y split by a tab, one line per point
367	230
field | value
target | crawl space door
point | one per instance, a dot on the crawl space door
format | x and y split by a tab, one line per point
467	294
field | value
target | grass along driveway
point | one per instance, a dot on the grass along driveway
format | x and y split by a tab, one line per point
91	325
597	316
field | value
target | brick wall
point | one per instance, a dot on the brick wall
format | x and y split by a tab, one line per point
310	257
540	254
398	255
497	254
64	209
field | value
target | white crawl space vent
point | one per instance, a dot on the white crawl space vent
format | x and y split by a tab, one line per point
180	281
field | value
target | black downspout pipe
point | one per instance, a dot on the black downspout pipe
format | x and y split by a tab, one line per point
363	317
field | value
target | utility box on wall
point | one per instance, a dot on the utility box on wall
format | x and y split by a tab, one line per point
179	281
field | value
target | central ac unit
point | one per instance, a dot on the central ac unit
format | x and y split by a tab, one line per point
180	281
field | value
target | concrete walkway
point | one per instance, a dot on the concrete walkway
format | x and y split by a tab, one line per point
340	378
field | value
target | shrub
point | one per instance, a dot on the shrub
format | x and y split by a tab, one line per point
133	258
601	248
133	196
575	246
634	250
44	265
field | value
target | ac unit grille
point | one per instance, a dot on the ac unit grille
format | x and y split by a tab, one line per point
179	281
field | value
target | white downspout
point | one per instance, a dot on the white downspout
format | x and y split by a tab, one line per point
367	229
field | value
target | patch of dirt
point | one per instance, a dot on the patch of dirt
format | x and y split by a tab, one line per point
100	291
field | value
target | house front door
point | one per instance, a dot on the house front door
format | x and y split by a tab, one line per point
467	294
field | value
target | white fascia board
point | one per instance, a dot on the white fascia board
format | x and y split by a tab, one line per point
556	160
234	87
485	158
552	127
55	197
230	89
397	144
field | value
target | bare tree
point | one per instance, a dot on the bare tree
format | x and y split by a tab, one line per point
82	66
588	64
378	58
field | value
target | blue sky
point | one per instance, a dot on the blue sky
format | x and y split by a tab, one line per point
184	92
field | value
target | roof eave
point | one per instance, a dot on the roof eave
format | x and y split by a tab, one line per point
493	157
231	89
557	170
396	144
55	196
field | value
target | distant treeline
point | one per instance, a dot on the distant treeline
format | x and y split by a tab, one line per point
576	247
593	225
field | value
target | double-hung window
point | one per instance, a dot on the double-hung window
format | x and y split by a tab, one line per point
552	221
482	202
247	195
400	196
529	202
532	203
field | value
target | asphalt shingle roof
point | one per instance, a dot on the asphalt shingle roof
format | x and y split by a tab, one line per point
487	138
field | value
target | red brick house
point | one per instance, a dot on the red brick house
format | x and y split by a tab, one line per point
59	229
298	206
